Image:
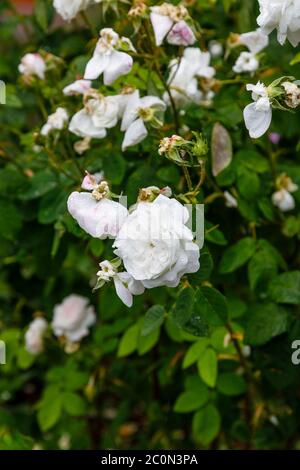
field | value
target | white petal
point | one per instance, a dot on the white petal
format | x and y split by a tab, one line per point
257	122
122	292
82	125
152	101
181	35
162	24
119	64
130	113
134	134
96	66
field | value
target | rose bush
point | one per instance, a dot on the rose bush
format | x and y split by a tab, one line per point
149	224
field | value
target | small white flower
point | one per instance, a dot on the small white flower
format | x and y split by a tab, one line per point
99	113
230	201
215	48
139	110
258	115
56	121
107	59
183	76
68	9
155	245
283	15
283	200
126	286
73	317
33	64
246	63
99	218
168	20
256	41
79	87
34	336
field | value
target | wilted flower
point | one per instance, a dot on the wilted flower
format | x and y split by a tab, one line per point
155	245
90	182
137	112
107	59
33	64
73	317
56	121
82	145
34	336
292	94
258	115
283	15
169	20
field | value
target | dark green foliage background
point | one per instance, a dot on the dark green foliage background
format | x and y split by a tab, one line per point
157	375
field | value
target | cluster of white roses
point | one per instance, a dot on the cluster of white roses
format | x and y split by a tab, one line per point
71	322
151	240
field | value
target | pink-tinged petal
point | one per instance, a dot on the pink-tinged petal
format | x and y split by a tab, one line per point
122	292
134	134
181	35
257	121
161	26
119	64
96	66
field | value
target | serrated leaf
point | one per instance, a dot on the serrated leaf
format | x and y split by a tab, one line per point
264	322
208	367
183	309
153	319
191	400
237	255
128	343
285	288
195	352
206	424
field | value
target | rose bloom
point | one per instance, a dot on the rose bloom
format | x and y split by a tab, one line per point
155	245
33	64
283	15
73	317
68	9
34	336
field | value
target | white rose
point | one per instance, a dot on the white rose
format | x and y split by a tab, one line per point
34	336
56	121
100	219
283	15
155	245
68	9
283	200
73	317
33	64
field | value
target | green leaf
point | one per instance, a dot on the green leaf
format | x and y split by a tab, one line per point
231	384
194	352
73	404
128	343
211	305
285	288
191	400
206	424
208	367
261	268
237	255
10	220
39	184
153	319
41	14
248	183
52	205
184	307
205	270
265	321
50	412
146	343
